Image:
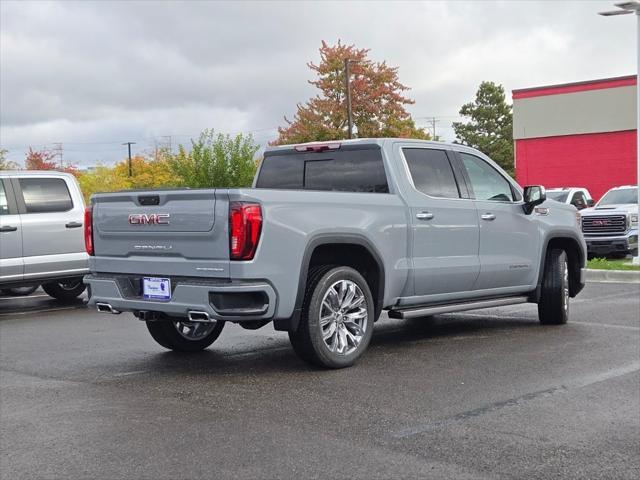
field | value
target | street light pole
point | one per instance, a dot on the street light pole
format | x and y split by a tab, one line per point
628	7
347	82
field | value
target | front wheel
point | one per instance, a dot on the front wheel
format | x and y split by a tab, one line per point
553	307
185	336
66	291
337	318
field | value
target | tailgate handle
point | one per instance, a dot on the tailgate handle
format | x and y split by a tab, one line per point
149	200
73	225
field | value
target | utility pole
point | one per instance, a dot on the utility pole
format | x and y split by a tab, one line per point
433	127
58	150
128	144
347	81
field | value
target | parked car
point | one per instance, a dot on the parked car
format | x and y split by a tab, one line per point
41	234
331	235
579	197
611	227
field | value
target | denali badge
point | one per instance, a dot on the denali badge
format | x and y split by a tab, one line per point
152	219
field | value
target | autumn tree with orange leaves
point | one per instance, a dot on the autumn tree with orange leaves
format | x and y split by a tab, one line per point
377	100
45	160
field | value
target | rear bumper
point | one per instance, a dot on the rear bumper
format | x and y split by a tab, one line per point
221	300
612	244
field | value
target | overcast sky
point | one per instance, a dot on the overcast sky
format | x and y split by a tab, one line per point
92	75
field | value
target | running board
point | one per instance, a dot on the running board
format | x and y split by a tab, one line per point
455	307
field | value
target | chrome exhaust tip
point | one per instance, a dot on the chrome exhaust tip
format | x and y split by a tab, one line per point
198	316
106	308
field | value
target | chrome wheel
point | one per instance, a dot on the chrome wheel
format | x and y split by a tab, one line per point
194	330
343	317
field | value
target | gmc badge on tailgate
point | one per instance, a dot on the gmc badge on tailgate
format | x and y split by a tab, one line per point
149	219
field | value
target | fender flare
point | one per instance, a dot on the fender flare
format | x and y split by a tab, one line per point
291	324
543	257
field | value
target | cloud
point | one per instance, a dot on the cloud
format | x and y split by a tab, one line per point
95	74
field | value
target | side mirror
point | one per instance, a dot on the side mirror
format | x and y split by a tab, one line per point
533	195
591	202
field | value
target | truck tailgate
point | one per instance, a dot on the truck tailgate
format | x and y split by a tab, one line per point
169	233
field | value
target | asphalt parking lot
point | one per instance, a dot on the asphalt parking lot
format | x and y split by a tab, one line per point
484	394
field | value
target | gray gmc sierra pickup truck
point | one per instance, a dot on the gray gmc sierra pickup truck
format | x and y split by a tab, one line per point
332	234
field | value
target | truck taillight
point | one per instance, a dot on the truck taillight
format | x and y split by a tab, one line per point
88	230
245	224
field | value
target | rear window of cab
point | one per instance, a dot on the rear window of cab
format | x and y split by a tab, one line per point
338	169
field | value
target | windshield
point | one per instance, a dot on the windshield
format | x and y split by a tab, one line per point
559	196
623	195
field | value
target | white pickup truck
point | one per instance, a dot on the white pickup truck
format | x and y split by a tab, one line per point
41	235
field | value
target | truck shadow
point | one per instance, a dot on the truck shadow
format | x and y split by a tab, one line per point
279	357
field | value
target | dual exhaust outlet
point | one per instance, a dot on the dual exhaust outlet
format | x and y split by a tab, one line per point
192	315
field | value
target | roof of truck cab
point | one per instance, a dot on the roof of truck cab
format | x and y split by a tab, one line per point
364	141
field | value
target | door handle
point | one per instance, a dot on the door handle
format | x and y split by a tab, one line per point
8	228
73	225
488	216
424	216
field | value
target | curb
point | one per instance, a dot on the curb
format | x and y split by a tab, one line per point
618	276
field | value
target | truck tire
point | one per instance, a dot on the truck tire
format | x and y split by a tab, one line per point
184	336
337	318
65	291
553	307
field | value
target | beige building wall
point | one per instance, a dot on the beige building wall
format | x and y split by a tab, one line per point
591	111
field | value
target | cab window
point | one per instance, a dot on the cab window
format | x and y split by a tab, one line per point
486	182
431	172
45	195
4	204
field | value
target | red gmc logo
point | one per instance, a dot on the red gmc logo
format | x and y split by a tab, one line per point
149	219
601	223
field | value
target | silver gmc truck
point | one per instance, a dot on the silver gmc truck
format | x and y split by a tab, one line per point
331	235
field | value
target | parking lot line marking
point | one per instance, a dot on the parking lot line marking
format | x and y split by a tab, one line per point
607	325
126	374
517	401
511	317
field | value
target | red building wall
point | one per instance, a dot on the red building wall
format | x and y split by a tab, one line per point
579	134
595	161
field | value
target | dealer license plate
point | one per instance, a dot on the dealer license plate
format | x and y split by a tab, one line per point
154	288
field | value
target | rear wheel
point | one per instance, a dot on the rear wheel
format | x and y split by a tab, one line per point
66	290
553	307
337	318
185	336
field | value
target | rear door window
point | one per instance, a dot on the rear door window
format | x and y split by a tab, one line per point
4	203
341	170
45	195
431	172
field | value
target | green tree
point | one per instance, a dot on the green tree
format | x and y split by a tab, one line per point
377	100
489	127
215	160
4	163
